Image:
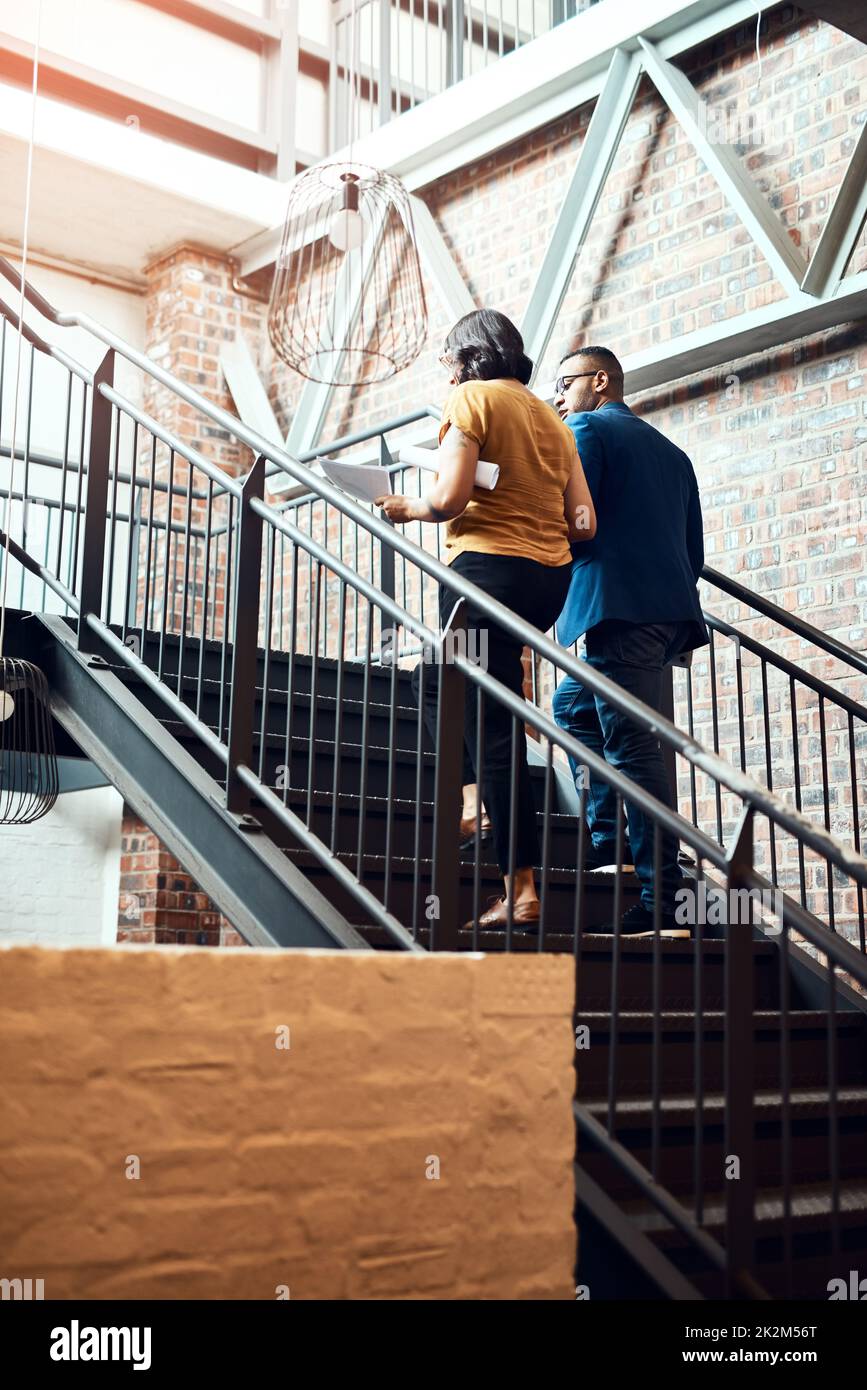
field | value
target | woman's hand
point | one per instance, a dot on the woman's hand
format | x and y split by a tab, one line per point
397	508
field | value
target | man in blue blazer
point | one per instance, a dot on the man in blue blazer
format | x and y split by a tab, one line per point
633	595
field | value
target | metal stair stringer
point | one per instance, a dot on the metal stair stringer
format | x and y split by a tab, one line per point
265	896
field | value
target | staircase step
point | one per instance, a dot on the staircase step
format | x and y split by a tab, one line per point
807	1031
216	663
561	892
815	1261
808	1125
398	819
680	962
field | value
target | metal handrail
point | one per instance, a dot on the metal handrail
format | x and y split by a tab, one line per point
820	639
782	663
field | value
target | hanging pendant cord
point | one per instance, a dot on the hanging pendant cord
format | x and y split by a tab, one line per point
8	509
353	75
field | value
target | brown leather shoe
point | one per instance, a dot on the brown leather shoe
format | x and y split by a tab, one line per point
468	830
525	915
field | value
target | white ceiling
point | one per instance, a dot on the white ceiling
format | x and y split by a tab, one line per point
99	218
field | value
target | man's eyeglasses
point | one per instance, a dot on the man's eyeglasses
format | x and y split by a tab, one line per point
563	383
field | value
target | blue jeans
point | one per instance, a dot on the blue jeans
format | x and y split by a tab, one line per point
634	655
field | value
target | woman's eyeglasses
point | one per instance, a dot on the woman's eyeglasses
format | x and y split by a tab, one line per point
563	383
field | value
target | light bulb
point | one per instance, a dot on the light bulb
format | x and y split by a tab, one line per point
348	230
7	706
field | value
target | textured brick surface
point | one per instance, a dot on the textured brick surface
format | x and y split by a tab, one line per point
192	311
304	1167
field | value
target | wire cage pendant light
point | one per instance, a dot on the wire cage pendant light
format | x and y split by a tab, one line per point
29	779
347	303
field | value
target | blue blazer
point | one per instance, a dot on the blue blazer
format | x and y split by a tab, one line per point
643	564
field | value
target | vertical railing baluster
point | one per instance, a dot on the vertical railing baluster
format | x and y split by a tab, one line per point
546	840
856	825
715	726
96	504
63	473
769	767
826	804
132	540
740	1065
206	580
796	761
698	1050
656	996
242	698
114	466
455	26
448	771
786	1168
185	598
313	706
338	718
617	909
168	553
268	637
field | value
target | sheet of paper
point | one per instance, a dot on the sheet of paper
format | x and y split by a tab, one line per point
364	481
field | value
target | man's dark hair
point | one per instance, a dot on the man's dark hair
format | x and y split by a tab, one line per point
606	358
485	344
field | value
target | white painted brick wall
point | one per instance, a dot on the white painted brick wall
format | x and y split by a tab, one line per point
60	877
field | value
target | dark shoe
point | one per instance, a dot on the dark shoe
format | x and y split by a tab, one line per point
605	857
637	921
525	916
468	831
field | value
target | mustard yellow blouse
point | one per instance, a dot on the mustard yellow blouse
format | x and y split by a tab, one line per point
523	515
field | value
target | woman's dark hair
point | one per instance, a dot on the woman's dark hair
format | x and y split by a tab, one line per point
485	344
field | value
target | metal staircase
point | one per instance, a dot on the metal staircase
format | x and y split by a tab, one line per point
239	669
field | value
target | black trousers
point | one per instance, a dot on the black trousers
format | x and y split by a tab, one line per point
536	593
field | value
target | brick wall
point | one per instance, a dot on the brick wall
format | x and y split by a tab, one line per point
192	310
311	1164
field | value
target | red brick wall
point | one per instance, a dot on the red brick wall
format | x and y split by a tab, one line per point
192	309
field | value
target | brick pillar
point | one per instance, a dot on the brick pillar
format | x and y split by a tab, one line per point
192	309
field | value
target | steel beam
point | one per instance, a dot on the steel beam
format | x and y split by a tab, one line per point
723	161
843	227
746	334
573	222
439	262
247	391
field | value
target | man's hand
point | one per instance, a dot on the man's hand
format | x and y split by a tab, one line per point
397	508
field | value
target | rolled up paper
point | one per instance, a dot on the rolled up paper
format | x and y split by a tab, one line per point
487	474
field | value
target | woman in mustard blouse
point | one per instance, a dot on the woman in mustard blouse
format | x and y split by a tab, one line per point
513	542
